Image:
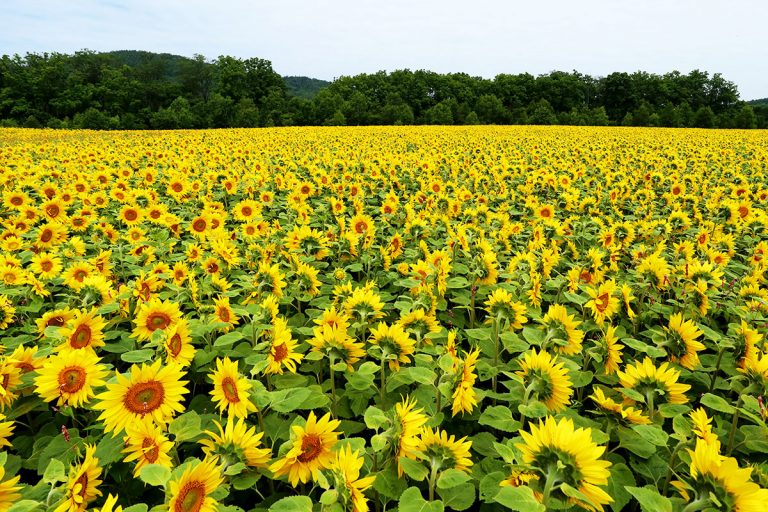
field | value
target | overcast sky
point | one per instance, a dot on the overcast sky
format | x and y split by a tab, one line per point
327	39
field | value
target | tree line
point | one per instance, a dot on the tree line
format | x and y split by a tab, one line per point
144	90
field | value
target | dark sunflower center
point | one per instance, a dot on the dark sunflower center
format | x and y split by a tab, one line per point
151	451
71	379
158	321
46	235
81	337
174	345
279	352
191	497
144	397
229	388
199	225
311	446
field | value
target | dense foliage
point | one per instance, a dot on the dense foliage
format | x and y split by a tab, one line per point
393	318
137	90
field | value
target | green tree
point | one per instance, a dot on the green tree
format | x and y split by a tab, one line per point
704	118
746	117
541	112
439	114
490	109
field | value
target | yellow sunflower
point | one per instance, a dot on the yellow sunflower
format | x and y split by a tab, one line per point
155	391
603	301
69	377
714	475
237	442
56	318
6	430
109	505
681	343
191	492
408	424
562	330
155	315
310	450
546	380
178	344
83	331
348	482
501	304
447	451
464	396
145	443
10	378
611	350
46	265
629	414
82	483
231	391
282	351
702	425
8	490
395	343
645	378
223	313
559	452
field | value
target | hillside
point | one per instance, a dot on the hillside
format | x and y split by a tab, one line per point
304	87
761	101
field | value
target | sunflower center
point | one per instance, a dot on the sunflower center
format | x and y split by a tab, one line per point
191	497
46	265
247	211
199	225
311	446
83	483
360	227
150	449
144	397
17	201
177	187
279	352
79	275
174	345
52	210
224	315
602	302
229	388
81	337
158	320
46	236
71	379
131	215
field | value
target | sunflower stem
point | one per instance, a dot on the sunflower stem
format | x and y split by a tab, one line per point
382	380
333	388
649	403
433	478
698	504
672	459
717	369
548	485
495	354
735	422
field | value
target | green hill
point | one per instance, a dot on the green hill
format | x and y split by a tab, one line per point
304	87
761	101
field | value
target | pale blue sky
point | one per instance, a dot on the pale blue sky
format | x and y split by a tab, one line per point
326	39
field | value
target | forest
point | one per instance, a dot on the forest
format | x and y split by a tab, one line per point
134	90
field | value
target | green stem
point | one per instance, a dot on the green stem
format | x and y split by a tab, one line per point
649	402
734	423
717	369
698	504
495	354
549	484
433	478
333	388
382	380
672	459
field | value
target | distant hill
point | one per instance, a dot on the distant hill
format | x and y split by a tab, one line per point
169	63
761	101
304	87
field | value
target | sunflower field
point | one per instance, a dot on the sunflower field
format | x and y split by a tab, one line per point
409	318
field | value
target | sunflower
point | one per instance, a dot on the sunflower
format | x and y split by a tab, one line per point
56	318
755	368
146	444
155	315
10	378
178	344
83	331
155	391
629	414
408	424
396	345
223	314
109	505
562	330
348	482
237	443
46	265
333	341
8	488
76	273
364	304
82	483
559	452
191	492
310	450
465	397
681	341
306	278
702	426
8	312
721	478
603	302
501	304
446	451
6	430
546	380
230	390
282	351
420	323
69	378
611	350
645	378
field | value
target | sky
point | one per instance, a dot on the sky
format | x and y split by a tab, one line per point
327	39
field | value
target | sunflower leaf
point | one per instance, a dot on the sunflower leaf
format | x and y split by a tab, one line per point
155	475
292	504
519	498
186	427
650	500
